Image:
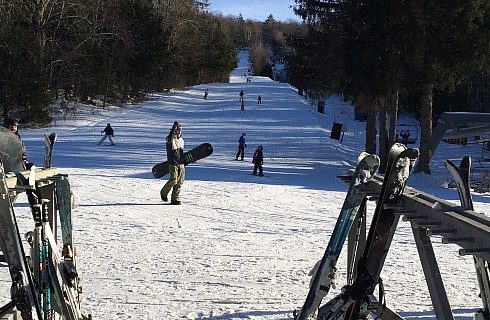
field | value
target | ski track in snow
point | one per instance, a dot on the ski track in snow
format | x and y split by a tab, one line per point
240	246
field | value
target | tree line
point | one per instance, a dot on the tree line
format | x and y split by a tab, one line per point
116	49
384	53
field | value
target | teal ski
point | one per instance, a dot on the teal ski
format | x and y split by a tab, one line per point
326	268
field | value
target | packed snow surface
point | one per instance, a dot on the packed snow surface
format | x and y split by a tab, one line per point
240	246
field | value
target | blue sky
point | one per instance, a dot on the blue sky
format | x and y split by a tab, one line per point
255	9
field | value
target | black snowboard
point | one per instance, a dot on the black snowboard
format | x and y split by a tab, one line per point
11	151
198	153
48	147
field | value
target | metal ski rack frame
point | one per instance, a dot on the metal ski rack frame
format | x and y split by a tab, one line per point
430	216
457	125
46	181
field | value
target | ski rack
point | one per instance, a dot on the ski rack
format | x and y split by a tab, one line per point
432	216
63	278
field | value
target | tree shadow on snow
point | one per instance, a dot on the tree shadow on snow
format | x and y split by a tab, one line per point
459	314
248	314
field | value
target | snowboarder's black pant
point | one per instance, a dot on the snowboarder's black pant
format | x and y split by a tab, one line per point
259	167
241	152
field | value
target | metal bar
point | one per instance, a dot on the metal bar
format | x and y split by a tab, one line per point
428	224
433	232
40	174
458	239
47	190
465	252
419	217
438	295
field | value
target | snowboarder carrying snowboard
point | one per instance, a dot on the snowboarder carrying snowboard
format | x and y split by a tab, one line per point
241	147
109	133
175	157
258	160
206	92
13	125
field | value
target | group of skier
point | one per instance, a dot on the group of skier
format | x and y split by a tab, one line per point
242	100
174	144
257	159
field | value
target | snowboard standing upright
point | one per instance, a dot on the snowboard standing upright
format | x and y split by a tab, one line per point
48	147
461	176
325	270
202	151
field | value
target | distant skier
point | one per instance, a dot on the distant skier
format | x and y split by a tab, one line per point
109	133
175	157
206	92
259	100
241	95
258	160
241	147
13	125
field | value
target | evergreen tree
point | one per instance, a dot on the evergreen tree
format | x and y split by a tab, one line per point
390	46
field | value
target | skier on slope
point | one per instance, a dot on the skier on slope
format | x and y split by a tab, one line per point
241	147
175	157
13	125
109	133
258	160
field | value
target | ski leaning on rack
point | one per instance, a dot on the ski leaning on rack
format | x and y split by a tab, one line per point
48	149
65	203
357	300
23	292
461	177
325	270
60	296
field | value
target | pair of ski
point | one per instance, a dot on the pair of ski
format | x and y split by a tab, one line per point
48	265
43	275
347	305
461	176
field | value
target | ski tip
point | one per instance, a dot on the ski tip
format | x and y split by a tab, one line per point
363	155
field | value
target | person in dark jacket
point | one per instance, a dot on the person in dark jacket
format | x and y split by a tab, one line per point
175	157
258	160
109	133
241	147
13	125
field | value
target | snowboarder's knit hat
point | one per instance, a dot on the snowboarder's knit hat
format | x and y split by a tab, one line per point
12	122
261	147
177	125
